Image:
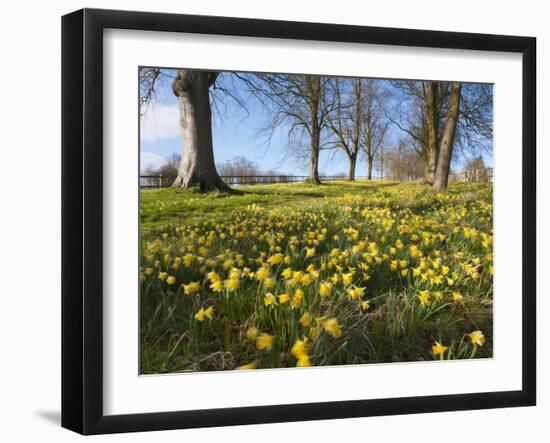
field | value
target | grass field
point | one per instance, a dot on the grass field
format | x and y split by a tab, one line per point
300	275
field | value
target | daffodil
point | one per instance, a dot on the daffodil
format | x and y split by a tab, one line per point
252	333
300	348
276	259
262	273
213	276
325	288
283	298
204	313
477	338
457	297
231	284
424	297
303	361
347	278
438	349
191	288
305	319
216	286
264	342
287	273
332	327
355	292
269	299
248	366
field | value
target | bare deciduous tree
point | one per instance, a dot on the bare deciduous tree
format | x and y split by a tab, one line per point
344	102
403	163
432	93
441	178
374	122
422	119
356	116
168	169
294	101
239	167
474	132
193	89
197	166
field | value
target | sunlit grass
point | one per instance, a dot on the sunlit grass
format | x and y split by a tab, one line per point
299	275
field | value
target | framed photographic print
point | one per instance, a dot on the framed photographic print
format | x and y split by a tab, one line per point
269	221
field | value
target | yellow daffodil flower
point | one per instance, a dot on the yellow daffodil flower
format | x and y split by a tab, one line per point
270	299
248	366
305	320
477	338
438	349
264	342
332	327
252	333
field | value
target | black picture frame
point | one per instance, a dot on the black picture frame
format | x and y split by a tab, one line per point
82	218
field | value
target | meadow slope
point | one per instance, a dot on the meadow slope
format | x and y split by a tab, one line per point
300	275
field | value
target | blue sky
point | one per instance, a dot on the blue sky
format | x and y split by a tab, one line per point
236	133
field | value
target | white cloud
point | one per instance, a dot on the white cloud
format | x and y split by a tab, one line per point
149	160
160	121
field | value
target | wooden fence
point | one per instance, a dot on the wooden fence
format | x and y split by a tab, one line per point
164	181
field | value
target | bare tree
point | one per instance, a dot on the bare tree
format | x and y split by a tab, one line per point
344	103
426	116
294	101
474	132
195	93
422	120
239	167
432	93
197	161
356	116
374	122
404	163
441	178
168	169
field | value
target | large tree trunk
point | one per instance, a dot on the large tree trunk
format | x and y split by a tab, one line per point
197	166
313	87
314	159
447	138
352	164
431	165
432	114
